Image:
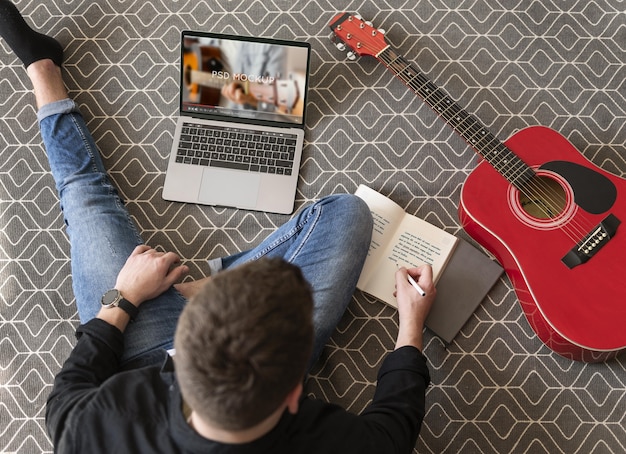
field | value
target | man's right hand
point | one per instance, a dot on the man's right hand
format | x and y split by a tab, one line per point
412	307
235	93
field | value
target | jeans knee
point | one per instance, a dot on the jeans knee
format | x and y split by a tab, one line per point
356	216
362	214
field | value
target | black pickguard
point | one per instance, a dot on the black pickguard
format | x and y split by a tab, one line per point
593	192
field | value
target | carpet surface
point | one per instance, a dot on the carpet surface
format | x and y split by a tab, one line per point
496	388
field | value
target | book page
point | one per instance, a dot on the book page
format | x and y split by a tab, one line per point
419	242
414	243
410	242
386	215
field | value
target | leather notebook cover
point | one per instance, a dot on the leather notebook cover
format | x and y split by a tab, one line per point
465	282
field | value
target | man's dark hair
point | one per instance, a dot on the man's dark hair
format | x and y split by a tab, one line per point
244	342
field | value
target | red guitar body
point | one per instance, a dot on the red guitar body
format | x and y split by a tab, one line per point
579	312
556	222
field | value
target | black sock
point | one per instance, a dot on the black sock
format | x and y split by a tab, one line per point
27	44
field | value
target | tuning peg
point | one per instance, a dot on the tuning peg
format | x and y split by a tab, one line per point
369	23
351	56
358	16
341	46
381	31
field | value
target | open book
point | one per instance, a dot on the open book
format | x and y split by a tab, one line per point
399	239
463	274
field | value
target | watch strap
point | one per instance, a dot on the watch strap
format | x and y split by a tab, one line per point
128	307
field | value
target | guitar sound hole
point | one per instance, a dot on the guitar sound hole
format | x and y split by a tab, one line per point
543	198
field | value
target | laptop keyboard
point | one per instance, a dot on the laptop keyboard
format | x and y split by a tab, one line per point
240	149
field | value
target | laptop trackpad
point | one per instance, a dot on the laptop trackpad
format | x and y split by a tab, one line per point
229	188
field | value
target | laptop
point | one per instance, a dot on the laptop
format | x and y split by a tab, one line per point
239	137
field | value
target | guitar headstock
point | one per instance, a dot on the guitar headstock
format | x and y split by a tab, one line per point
352	32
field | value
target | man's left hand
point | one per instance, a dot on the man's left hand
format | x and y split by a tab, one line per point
147	273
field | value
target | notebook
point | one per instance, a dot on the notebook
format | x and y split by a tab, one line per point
239	136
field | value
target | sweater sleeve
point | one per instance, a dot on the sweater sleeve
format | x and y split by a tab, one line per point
390	424
93	360
397	410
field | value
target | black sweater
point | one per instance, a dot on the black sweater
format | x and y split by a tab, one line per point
94	407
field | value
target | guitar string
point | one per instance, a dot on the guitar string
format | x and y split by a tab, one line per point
536	185
504	161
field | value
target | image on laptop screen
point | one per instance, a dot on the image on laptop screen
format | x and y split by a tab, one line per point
243	78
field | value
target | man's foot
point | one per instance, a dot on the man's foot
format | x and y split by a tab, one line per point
29	45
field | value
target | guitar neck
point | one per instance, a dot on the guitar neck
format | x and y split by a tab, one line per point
206	79
466	125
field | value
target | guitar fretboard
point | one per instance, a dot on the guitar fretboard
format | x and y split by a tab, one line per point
466	125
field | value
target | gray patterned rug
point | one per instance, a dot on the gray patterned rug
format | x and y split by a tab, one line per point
496	388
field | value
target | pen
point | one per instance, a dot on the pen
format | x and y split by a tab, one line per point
417	287
414	284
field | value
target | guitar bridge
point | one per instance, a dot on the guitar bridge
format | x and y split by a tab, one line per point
592	243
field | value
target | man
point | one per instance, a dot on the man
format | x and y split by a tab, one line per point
245	340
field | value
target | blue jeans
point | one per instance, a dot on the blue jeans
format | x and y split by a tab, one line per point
328	240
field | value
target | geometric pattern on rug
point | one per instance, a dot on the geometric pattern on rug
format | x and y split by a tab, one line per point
495	388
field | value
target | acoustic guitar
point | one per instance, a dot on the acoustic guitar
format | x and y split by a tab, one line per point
550	217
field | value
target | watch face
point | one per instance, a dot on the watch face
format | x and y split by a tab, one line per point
111	297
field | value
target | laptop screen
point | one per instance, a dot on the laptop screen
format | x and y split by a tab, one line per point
257	80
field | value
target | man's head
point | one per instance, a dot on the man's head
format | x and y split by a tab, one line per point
243	343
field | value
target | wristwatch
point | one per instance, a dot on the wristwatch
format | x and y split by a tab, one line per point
113	298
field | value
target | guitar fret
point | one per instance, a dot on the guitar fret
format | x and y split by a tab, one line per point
480	134
493	154
457	117
503	163
466	125
521	176
513	168
503	160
